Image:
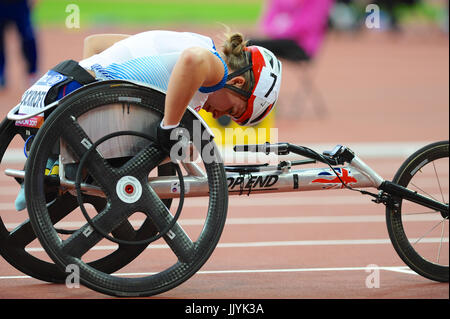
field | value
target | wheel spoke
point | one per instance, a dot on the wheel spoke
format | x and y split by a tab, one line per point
86	237
22	235
421	213
440	243
98	167
424	192
439	183
429	231
124	231
143	162
176	237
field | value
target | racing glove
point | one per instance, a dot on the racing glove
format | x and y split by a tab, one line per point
172	141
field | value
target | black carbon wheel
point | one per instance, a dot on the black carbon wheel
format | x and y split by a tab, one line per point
420	235
176	257
14	240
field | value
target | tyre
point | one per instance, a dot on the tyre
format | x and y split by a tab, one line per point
178	252
418	234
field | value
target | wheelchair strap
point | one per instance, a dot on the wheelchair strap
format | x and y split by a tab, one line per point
74	72
72	69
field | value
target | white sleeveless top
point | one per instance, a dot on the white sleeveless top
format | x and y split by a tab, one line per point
149	57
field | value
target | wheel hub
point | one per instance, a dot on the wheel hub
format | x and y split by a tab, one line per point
129	189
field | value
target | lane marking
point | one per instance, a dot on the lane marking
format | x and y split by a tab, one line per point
298	199
269	220
367	150
337	242
400	269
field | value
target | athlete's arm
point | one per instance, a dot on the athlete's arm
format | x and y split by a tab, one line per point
196	67
97	43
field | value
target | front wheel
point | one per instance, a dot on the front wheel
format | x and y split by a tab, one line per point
419	234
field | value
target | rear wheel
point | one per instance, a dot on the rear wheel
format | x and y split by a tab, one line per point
180	252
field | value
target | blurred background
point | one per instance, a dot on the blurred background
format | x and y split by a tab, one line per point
354	71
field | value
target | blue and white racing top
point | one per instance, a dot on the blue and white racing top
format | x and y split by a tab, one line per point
150	57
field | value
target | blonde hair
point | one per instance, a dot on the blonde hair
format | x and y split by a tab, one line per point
234	55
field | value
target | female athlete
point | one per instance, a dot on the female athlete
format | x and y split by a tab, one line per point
241	82
238	81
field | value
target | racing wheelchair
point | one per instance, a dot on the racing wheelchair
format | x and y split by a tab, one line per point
134	200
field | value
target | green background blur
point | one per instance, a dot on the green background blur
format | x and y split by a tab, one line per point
138	12
168	12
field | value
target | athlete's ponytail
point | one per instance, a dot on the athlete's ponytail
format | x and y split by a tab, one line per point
235	57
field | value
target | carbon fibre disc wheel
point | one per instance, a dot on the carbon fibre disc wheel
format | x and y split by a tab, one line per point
176	256
15	237
420	235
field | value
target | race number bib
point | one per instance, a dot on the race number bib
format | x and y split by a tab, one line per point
33	99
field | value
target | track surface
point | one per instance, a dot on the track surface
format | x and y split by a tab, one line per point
382	93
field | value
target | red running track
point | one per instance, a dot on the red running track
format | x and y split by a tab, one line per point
306	245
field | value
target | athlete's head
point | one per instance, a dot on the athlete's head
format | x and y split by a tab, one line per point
252	86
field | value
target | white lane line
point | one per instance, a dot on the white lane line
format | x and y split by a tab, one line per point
364	150
244	201
401	269
15	277
270	220
7	206
338	242
10	190
404	270
297	199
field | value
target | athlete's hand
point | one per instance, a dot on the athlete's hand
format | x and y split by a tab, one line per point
173	141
